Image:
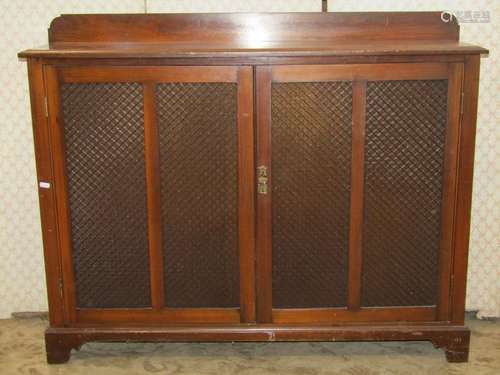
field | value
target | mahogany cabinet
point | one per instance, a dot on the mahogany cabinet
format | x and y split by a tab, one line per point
255	177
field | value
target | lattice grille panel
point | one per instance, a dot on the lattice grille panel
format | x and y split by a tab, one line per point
104	139
311	169
405	139
198	157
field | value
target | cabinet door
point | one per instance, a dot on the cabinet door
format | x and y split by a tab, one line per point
155	192
356	167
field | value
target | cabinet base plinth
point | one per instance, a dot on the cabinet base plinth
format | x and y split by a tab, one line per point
453	339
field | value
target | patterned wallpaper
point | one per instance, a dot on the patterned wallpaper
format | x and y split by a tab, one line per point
24	24
200	6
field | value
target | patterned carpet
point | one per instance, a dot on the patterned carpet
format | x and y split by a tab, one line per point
22	352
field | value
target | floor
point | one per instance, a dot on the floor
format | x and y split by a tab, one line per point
22	352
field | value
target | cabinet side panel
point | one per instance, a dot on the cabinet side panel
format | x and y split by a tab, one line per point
47	197
464	193
311	173
405	143
199	193
104	148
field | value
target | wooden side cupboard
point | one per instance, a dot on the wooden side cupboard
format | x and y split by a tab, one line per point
255	177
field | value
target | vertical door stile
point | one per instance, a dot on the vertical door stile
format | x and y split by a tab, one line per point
455	76
264	213
246	189
356	206
152	160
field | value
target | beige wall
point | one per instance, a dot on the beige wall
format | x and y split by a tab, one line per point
24	24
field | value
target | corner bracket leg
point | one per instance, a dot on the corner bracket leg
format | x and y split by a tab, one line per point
455	345
59	346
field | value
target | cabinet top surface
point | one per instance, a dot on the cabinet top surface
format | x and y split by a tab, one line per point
252	34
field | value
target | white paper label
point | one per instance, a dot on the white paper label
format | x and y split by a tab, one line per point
44	185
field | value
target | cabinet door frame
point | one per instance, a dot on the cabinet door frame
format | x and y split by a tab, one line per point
149	76
359	74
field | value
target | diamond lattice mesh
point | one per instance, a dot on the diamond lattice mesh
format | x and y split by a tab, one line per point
104	141
311	169
404	153
199	196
